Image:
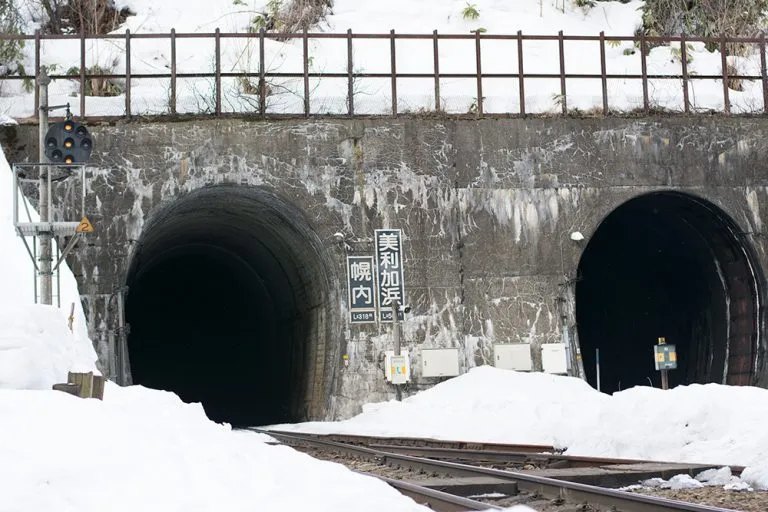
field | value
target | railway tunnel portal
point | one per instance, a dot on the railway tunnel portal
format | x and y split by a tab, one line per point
672	265
226	305
673	212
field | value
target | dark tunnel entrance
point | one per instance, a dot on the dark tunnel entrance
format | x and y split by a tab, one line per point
668	265
226	305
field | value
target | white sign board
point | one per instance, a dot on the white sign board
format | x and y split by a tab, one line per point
388	355
398	369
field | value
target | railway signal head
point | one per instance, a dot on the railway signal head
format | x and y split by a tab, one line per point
68	142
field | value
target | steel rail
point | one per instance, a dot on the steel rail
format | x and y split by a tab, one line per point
573	461
573	492
437	500
424	442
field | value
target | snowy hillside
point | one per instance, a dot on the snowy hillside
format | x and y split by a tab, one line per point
373	95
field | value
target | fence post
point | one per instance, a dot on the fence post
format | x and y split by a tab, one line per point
763	73
393	68
644	72
128	72
173	72
262	81
37	73
436	57
562	72
305	45
478	61
684	64
724	63
218	71
520	74
350	76
603	73
82	73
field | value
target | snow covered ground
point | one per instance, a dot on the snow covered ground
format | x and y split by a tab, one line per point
146	450
372	95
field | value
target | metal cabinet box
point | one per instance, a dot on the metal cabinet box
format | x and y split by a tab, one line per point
439	362
513	356
554	358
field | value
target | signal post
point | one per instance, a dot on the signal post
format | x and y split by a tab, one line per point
64	147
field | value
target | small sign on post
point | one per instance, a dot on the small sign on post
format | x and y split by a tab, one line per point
389	266
665	359
362	289
397	369
84	226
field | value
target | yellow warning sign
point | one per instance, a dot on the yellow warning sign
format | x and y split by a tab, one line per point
85	226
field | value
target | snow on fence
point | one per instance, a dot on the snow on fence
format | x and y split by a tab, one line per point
124	75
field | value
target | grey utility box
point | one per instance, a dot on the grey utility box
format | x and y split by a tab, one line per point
439	362
513	356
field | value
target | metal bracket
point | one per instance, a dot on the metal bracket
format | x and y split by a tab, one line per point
49	108
71	245
29	251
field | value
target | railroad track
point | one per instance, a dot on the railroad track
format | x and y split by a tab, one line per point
446	485
424	442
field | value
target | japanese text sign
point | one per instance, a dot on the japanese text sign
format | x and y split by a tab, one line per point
362	290
389	266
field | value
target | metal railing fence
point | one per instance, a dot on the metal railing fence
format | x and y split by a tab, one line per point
262	76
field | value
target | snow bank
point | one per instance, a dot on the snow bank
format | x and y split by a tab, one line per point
141	449
707	423
484	404
698	423
37	349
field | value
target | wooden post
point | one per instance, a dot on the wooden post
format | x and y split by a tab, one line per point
84	385
98	387
84	380
72	389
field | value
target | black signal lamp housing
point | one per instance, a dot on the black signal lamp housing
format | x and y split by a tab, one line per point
68	142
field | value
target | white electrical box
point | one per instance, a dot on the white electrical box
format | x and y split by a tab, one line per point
439	362
513	356
554	358
388	367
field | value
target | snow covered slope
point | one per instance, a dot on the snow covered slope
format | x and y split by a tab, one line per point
372	95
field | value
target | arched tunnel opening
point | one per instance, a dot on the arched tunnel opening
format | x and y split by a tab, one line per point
671	265
227	305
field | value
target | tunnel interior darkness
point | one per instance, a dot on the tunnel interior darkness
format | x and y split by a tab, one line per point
670	265
225	296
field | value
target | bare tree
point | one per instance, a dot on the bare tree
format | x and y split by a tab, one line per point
76	16
705	18
298	15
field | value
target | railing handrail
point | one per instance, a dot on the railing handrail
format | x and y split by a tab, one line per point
385	35
642	41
